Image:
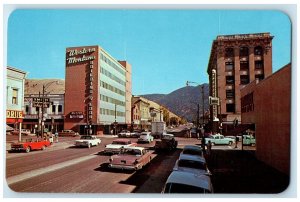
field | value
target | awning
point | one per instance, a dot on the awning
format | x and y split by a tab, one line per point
8	128
239	129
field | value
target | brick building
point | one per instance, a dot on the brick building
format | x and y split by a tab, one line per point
96	90
267	104
235	61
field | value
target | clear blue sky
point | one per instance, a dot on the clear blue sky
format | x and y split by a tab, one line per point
165	47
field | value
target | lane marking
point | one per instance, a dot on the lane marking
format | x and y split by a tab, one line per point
40	171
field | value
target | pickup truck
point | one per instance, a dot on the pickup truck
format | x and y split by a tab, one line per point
219	139
29	145
87	141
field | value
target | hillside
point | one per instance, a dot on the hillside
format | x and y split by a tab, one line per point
183	101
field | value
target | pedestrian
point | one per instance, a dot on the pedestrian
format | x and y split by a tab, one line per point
236	141
56	136
209	147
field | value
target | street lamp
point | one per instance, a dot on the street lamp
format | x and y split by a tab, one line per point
45	86
202	91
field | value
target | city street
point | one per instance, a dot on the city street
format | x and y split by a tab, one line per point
63	168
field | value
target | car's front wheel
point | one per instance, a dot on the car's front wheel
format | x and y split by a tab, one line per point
43	147
27	149
90	145
229	143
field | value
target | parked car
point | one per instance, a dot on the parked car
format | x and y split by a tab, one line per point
87	141
118	144
167	142
23	132
30	144
219	139
135	133
192	163
124	133
192	150
146	137
131	158
186	182
249	140
66	133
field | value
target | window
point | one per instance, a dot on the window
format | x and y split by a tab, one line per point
229	93
259	77
229	79
229	52
258	51
59	108
244	79
37	109
53	109
229	66
230	108
27	109
14	96
259	65
244	65
244	52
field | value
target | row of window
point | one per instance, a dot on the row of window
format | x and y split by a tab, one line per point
110	75
112	64
112	88
59	109
244	79
244	65
111	100
244	51
111	112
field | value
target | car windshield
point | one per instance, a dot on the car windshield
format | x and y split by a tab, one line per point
132	152
192	164
192	152
119	142
183	188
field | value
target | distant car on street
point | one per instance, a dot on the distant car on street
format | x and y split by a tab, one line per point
30	144
219	139
167	142
118	144
68	133
249	140
124	133
23	132
131	158
87	141
187	182
146	137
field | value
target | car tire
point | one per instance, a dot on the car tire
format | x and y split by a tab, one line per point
229	143
27	149
89	145
43	147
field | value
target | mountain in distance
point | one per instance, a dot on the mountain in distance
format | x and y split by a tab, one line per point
183	102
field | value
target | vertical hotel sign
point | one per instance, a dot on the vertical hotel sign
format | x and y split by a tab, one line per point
214	93
84	56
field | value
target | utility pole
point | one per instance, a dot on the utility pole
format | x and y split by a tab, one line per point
43	123
202	106
115	119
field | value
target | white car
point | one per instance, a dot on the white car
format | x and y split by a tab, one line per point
192	163
118	144
146	137
124	133
187	182
87	141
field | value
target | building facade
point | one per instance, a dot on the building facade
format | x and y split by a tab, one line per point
51	117
95	90
235	61
15	82
267	104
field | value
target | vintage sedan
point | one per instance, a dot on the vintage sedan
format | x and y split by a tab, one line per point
167	142
87	141
187	182
192	163
30	144
131	158
192	150
146	137
118	144
249	140
124	133
219	139
68	133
